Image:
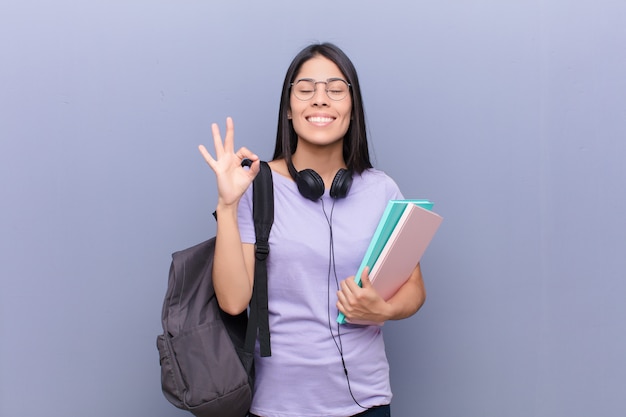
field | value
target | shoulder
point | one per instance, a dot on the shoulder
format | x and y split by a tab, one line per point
280	167
375	174
376	179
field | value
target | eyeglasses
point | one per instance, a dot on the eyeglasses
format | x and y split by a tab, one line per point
336	88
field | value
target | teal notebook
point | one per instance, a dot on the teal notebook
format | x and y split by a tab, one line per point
385	227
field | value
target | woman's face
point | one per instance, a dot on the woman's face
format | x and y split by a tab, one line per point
320	120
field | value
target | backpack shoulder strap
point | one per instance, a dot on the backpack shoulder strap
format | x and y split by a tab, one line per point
263	214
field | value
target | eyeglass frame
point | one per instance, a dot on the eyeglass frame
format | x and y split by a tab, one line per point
315	83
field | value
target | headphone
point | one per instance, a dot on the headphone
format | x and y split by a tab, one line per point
311	185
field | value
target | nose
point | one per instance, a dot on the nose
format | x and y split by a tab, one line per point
320	98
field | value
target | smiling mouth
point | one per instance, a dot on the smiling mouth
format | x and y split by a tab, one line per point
318	119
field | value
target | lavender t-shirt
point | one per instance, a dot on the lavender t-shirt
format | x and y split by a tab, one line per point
304	376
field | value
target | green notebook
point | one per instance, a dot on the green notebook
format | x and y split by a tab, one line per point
385	227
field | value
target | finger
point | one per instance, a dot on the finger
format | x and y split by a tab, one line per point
217	140
229	140
347	293
345	285
245	153
341	298
254	168
342	303
365	278
339	303
350	285
206	155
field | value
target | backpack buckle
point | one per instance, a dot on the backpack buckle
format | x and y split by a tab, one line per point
262	249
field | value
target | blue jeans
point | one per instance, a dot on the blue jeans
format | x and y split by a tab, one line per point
380	411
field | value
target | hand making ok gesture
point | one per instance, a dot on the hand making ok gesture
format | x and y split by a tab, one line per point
233	178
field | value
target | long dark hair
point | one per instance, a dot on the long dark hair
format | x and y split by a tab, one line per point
355	150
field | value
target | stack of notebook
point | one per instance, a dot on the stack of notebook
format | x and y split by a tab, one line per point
401	238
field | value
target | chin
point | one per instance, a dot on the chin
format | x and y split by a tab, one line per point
321	141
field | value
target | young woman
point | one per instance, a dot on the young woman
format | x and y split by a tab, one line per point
328	200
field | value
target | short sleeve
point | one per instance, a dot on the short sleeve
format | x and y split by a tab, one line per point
245	219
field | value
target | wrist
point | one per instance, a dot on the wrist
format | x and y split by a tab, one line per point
226	210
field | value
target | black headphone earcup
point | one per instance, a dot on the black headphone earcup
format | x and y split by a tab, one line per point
341	184
310	184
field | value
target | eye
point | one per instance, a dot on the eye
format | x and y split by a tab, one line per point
337	85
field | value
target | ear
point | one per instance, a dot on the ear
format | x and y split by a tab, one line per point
289	114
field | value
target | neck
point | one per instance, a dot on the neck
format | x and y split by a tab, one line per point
326	162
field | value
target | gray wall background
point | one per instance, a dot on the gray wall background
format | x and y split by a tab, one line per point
510	115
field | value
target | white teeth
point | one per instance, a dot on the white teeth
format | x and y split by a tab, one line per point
320	119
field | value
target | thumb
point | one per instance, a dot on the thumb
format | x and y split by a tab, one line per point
365	278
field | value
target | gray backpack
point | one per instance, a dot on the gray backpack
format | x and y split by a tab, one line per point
206	355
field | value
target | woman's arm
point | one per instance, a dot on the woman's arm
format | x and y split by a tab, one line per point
364	305
409	298
233	264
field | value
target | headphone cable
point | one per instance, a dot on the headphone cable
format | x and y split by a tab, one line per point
332	266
